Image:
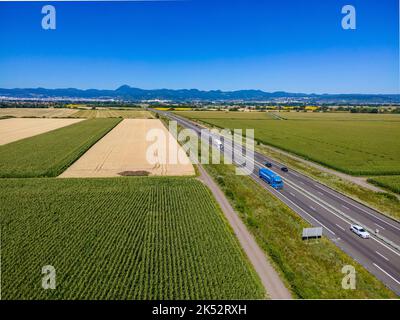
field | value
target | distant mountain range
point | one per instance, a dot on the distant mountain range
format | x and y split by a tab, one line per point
126	92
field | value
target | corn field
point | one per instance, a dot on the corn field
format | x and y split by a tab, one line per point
123	238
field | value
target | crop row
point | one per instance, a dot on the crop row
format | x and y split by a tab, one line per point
113	113
358	148
123	238
391	183
312	270
49	154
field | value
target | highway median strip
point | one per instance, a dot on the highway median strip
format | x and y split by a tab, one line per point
310	270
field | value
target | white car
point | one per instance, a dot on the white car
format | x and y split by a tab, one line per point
360	231
219	144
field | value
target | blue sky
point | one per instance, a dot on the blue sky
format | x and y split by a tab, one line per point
290	45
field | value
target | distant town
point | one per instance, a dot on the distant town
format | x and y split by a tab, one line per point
193	99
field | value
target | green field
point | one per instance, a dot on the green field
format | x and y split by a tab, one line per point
384	202
361	145
226	115
310	270
117	113
313	271
391	183
340	116
50	153
122	238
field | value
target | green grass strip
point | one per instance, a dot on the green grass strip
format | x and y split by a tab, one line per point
313	271
50	153
391	183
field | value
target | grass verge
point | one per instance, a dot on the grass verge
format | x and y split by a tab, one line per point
310	271
385	203
391	183
313	271
50	153
354	147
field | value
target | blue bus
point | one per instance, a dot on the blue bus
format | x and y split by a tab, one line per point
270	177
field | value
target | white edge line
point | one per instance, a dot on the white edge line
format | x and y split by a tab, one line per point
356	205
340	216
307	213
305	193
398	282
287	199
340	227
294	203
382	255
337	215
385	245
380	226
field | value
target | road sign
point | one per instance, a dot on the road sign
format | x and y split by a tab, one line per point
312	233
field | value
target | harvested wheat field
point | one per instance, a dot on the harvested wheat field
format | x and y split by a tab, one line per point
16	129
113	113
124	152
37	112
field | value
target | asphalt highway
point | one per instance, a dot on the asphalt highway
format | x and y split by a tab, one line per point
331	210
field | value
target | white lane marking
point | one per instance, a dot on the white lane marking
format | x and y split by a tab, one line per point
292	194
385	245
379	241
340	227
341	217
380	226
382	256
312	208
335	195
345	207
331	211
398	282
308	214
352	204
338	215
356	206
294	204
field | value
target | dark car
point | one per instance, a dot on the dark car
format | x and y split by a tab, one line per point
284	169
268	164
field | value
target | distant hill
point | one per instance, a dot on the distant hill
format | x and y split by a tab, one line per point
126	92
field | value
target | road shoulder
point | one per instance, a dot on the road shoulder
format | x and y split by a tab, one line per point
270	279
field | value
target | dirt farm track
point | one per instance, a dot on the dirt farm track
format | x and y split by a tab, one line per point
123	152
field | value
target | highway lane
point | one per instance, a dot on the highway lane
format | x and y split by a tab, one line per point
387	227
322	206
367	217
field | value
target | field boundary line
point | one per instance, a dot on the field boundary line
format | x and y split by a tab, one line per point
376	237
207	125
271	280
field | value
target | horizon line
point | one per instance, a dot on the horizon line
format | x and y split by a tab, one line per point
188	89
